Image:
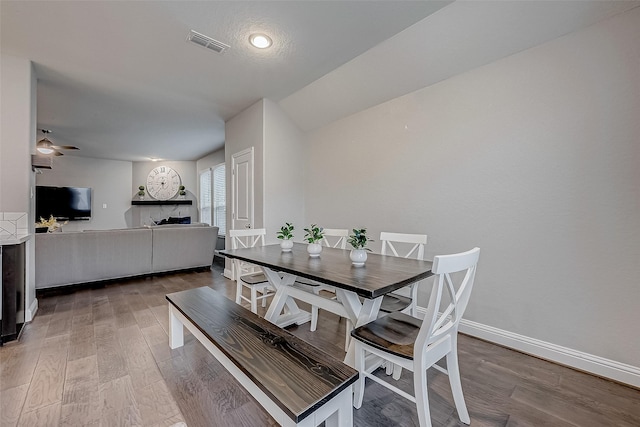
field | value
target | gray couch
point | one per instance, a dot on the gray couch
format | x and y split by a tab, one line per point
89	256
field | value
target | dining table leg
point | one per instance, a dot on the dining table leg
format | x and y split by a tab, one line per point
360	313
282	300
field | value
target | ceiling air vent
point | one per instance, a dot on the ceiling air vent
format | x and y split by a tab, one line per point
207	42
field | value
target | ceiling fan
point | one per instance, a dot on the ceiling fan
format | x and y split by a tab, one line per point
44	146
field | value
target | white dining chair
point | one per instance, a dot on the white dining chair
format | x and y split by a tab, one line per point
418	344
249	275
406	246
332	238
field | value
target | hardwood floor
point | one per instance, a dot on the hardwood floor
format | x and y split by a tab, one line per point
100	356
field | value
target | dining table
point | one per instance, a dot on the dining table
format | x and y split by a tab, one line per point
359	289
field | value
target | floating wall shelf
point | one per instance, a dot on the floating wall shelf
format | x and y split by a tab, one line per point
161	202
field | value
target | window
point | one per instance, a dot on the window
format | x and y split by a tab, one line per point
206	177
213	202
220	199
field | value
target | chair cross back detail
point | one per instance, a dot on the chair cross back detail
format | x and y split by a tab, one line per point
445	322
417	250
341	234
247	238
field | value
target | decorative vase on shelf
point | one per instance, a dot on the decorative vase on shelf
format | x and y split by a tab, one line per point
141	197
314	249
286	245
358	257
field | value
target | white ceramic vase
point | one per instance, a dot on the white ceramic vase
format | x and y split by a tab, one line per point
314	249
286	245
358	257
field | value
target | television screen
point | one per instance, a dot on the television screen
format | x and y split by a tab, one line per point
64	203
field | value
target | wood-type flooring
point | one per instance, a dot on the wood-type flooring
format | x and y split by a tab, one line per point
99	356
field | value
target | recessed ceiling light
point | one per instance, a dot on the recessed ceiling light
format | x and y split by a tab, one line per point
261	41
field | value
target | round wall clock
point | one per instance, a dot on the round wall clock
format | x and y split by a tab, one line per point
163	183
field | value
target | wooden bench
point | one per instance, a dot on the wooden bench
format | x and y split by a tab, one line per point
297	383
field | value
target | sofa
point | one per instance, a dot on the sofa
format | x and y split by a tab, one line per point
70	258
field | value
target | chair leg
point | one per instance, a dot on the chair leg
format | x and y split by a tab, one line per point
264	299
254	300
314	311
456	386
397	371
358	387
238	291
422	395
347	336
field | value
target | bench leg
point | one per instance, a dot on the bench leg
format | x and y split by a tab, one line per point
176	330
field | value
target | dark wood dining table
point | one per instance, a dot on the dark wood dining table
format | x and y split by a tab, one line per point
380	275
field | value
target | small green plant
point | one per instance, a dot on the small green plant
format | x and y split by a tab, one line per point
314	234
141	190
285	232
182	192
359	240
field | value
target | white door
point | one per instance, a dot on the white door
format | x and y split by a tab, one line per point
242	189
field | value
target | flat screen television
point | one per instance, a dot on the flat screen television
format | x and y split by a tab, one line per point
64	203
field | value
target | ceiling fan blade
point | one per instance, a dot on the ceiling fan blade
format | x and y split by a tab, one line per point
57	153
64	147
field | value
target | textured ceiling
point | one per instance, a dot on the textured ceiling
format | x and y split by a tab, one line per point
118	79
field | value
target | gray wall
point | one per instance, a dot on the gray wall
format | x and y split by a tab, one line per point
142	215
110	181
283	173
17	143
535	159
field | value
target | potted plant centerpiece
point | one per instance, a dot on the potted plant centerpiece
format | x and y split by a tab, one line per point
314	236
286	234
358	240
182	192
141	192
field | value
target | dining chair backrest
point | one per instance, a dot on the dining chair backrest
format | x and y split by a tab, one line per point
247	237
417	240
438	324
338	237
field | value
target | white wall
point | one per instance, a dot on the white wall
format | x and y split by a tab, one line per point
535	159
110	181
17	143
141	215
243	131
17	133
283	174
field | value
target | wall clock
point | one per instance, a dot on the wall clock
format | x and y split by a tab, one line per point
163	183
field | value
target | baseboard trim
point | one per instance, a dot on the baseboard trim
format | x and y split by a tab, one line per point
582	361
32	310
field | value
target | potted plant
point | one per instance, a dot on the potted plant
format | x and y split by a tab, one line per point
182	192
141	192
286	234
358	240
313	236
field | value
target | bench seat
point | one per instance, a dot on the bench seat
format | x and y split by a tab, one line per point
297	383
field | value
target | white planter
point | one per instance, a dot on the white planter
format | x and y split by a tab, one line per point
286	245
314	249
358	257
